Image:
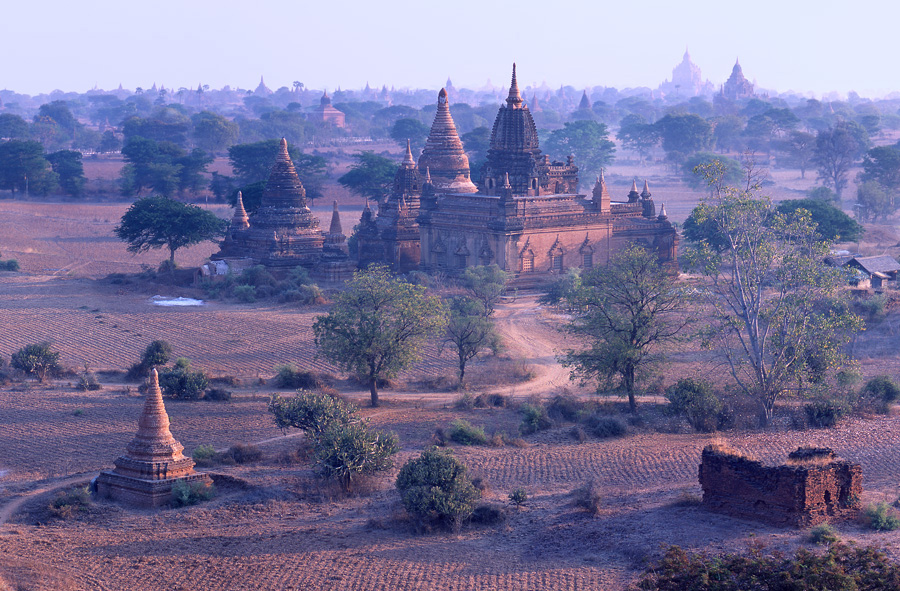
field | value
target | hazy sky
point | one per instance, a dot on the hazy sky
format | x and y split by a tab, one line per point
798	45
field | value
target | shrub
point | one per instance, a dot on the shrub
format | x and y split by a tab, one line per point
588	497
465	433
490	401
518	497
244	454
346	451
824	413
534	419
10	265
881	517
204	455
257	276
882	390
182	382
156	354
567	408
464	402
87	380
696	401
245	294
579	434
839	567
823	534
488	514
36	360
69	503
290	376
436	490
310	412
218	394
605	427
186	493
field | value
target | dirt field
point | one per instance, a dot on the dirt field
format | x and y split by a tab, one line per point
273	525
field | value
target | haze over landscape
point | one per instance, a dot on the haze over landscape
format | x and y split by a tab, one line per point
807	47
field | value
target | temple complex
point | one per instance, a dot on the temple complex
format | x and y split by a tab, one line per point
153	461
283	233
737	87
326	113
687	80
525	215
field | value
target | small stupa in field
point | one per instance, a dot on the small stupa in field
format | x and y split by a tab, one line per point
153	462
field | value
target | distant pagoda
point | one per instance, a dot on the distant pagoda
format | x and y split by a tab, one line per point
153	461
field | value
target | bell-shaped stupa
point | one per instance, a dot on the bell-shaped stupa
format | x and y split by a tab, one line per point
153	461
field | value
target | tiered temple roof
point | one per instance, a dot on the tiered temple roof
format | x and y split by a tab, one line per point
737	86
444	154
153	462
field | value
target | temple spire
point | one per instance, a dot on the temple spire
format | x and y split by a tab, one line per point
408	158
514	99
240	220
335	228
601	196
646	192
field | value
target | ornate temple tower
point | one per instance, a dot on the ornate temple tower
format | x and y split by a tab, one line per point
515	151
444	155
737	86
153	461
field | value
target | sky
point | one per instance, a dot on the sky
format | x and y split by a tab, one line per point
786	45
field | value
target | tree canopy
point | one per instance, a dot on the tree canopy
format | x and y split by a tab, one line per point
832	224
837	150
588	141
157	222
23	165
372	176
377	326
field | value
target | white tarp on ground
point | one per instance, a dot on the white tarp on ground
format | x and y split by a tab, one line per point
159	300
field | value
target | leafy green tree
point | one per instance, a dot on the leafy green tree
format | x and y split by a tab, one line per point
378	326
58	112
213	132
435	488
157	222
823	194
683	134
469	331
487	283
13	127
162	166
588	141
728	133
37	360
775	314
837	150
410	129
477	142
167	124
109	142
875	201
732	168
626	310
68	167
797	149
23	165
832	224
638	135
882	165
345	447
372	176
183	382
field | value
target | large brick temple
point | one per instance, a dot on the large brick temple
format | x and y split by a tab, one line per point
525	215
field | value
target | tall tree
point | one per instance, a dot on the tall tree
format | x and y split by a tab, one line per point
469	331
68	167
410	129
683	134
12	127
378	326
24	167
157	222
487	283
638	135
626	311
372	176
775	315
213	132
798	148
837	150
588	141
832	224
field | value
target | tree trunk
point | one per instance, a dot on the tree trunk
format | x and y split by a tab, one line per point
462	371
628	378
373	390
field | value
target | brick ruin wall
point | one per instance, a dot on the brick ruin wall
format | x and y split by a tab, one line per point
802	494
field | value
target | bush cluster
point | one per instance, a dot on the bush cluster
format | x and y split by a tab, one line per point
67	504
183	382
157	354
588	497
696	402
436	490
186	493
10	265
345	447
880	392
290	376
839	567
824	413
465	433
37	360
881	517
257	283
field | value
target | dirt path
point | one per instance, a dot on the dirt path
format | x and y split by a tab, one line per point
9	509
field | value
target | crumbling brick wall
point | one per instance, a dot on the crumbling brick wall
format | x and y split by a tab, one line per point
813	488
